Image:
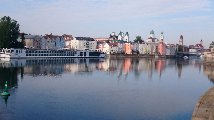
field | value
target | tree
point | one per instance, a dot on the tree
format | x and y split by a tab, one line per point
138	39
9	32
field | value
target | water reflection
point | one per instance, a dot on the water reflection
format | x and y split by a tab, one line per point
135	99
121	67
11	76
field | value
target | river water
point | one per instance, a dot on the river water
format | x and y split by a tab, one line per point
102	89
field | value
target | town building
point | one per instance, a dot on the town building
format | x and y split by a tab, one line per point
52	42
161	46
127	48
68	39
83	43
32	41
170	49
123	36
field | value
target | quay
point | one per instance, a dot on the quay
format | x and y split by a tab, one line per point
204	109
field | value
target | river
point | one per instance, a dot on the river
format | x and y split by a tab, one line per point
102	89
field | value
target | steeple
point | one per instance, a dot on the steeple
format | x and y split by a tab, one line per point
161	37
181	42
152	34
201	42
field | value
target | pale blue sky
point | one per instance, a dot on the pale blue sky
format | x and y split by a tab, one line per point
98	18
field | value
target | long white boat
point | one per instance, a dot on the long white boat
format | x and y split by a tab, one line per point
49	53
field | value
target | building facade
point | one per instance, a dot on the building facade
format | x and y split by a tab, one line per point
83	43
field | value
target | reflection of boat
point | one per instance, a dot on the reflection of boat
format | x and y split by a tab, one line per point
47	53
47	61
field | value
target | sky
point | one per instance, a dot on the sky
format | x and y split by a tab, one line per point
194	19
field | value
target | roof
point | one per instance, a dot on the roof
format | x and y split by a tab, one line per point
113	44
199	45
85	38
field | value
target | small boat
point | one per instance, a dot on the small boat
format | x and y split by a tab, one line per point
185	57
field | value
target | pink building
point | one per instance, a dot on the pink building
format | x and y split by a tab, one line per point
127	48
162	48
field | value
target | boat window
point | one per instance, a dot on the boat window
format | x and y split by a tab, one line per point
16	51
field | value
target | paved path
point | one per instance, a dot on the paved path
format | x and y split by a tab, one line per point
204	109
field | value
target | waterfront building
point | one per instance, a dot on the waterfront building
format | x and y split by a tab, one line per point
162	46
152	38
135	47
181	40
68	39
152	43
123	37
110	48
170	49
33	41
52	42
142	48
113	48
106	48
100	45
126	37
127	48
120	46
83	43
101	39
113	37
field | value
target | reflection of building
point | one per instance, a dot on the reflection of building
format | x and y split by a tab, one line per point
126	65
122	66
160	65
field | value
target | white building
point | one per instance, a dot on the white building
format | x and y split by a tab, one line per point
106	48
152	38
170	49
111	48
68	39
123	37
142	48
52	42
33	41
83	43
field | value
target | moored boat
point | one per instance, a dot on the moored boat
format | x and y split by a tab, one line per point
49	53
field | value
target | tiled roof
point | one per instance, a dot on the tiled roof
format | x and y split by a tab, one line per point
85	38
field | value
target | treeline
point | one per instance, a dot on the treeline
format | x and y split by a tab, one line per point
9	33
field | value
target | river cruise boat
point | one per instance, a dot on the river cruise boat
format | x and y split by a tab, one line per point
49	53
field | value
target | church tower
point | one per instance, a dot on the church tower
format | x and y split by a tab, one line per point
201	42
152	34
161	37
126	37
181	42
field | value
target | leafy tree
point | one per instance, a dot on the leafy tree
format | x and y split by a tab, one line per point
138	39
9	32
